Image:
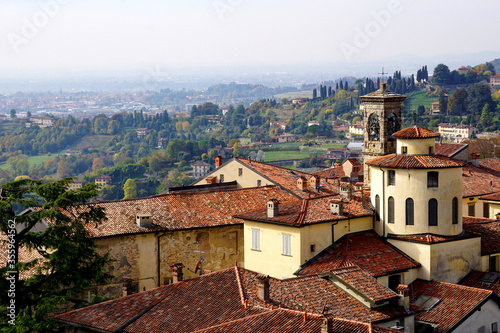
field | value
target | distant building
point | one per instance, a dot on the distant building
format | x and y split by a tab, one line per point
495	80
463	70
284	138
312	123
3	117
76	184
298	100
102	181
42	121
356	129
142	132
200	169
162	142
456	133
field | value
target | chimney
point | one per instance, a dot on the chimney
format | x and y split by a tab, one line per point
383	86
143	220
404	296
314	182
263	287
218	161
326	326
302	183
346	190
475	159
273	208
177	269
337	207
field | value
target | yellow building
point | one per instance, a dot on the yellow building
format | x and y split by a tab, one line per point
102	181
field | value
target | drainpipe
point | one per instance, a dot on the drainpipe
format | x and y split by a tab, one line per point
158	260
383	202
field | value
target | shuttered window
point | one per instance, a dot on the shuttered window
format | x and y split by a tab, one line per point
454	211
287	245
433	212
390	208
432	179
377	208
255	239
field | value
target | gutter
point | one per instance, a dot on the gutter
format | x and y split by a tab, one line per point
383	202
158	259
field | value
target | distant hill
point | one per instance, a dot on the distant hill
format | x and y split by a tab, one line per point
496	63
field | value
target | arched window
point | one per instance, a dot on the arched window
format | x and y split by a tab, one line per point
377	208
454	211
373	128
433	212
409	211
390	208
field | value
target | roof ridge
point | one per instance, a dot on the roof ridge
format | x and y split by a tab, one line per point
240	286
236	320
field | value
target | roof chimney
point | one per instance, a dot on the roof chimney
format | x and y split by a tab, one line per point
218	161
273	208
404	295
314	181
475	159
263	287
302	183
326	326
143	220
177	269
337	207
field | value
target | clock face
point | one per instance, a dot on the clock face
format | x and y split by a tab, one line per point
374	128
392	124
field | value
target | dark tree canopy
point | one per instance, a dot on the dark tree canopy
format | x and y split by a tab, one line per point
441	75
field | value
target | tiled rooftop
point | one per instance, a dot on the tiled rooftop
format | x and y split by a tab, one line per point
449	149
456	302
415	161
200	303
479	180
366	250
432	238
24	255
186	210
488	229
483	280
415	132
287	179
491	197
311	211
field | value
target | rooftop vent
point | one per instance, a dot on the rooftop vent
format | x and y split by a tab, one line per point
337	207
218	161
263	287
302	183
143	220
273	208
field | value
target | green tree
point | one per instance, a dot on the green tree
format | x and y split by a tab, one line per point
175	178
457	103
13	113
441	75
443	105
486	116
479	94
130	189
63	260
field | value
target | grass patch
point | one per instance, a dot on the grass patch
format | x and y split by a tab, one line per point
295	94
333	145
33	160
272	156
417	98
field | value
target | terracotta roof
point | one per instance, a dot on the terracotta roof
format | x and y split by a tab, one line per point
200	303
415	132
415	161
479	180
364	283
491	197
335	172
490	163
183	210
488	229
449	149
287	178
483	280
310	211
456	302
290	321
431	238
366	250
24	256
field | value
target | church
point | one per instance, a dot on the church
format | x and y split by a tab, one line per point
391	253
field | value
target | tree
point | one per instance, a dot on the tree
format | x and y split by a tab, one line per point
441	75
130	189
315	93
479	94
457	103
486	116
97	164
13	113
175	178
63	169
442	103
62	260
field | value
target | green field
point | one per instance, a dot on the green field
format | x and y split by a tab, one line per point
32	160
417	98
294	94
332	145
272	156
95	141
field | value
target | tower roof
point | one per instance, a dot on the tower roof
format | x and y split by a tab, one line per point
384	93
415	132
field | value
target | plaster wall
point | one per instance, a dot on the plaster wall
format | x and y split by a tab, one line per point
482	319
230	172
416	146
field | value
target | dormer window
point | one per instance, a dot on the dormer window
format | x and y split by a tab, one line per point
404	150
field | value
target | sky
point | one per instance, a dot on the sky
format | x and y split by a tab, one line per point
91	35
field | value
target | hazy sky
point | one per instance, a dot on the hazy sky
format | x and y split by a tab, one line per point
68	34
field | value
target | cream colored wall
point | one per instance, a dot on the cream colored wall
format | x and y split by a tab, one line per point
413	183
406	277
485	262
476	202
481	319
449	261
494	207
416	147
270	260
230	171
321	234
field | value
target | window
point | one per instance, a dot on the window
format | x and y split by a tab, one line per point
454	211
472	209
259	182
431	150
486	210
392	177
240	172
377	208
404	150
255	239
394	282
287	245
313	247
493	264
494	327
409	211
390	207
221	178
433	212
432	179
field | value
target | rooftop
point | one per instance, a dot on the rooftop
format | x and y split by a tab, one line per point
449	149
480	180
415	132
366	250
483	280
488	230
415	162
